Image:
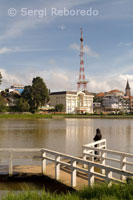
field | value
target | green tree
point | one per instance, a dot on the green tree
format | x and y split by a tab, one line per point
22	105
39	93
26	94
2	104
59	107
0	78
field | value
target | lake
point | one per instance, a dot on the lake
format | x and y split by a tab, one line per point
65	135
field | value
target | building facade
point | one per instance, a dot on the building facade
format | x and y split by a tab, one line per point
73	102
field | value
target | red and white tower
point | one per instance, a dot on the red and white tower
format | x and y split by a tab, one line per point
82	83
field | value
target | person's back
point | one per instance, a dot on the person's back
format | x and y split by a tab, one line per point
98	135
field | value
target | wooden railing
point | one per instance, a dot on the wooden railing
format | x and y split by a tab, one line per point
74	164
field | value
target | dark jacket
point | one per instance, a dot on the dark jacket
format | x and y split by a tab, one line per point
97	137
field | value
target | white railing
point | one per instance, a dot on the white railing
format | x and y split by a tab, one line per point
98	151
89	149
74	164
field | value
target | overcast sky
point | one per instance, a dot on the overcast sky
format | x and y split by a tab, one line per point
38	42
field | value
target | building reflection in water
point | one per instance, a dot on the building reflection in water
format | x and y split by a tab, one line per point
78	132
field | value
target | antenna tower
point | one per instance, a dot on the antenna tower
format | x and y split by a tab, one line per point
82	83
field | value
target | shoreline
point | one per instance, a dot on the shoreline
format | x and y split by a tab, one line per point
58	116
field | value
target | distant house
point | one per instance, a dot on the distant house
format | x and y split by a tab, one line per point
111	102
16	87
74	102
131	103
97	107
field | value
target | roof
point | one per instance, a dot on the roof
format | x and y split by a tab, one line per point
101	94
114	91
127	86
69	92
63	92
87	93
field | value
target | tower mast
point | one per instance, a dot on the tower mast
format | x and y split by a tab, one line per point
82	83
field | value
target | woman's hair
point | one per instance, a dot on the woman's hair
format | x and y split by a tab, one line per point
98	131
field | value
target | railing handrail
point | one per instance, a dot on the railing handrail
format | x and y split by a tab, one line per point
94	143
92	146
21	149
110	151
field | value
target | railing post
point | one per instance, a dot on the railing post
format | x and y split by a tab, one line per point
57	168
105	144
92	157
102	160
10	163
84	157
91	178
108	174
43	162
123	166
73	173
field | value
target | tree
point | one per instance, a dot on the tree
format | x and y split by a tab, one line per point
0	78
37	94
59	107
2	104
22	105
26	94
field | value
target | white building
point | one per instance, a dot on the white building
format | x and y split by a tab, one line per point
16	88
74	102
111	102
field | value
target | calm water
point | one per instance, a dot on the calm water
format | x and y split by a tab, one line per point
64	135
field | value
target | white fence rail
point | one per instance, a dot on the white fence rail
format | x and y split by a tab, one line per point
98	151
75	165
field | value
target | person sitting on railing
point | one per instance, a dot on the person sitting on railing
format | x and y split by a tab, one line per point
97	137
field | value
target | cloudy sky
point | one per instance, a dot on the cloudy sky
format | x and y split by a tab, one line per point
41	41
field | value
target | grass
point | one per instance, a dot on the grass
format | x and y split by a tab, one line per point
24	116
39	116
98	192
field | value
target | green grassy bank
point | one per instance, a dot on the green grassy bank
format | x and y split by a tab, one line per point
24	116
98	192
36	115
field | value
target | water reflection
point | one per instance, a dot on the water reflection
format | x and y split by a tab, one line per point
65	135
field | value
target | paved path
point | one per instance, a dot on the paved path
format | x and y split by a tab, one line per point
65	176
